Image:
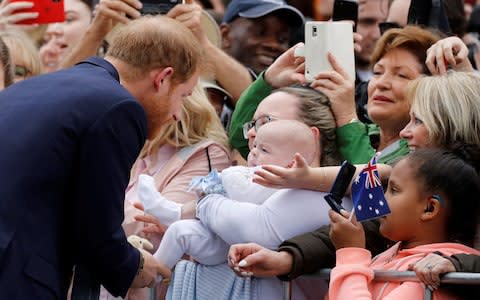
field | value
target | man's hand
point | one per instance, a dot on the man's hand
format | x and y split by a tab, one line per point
148	274
254	260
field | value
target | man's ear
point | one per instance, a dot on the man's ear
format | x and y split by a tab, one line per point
316	132
162	78
432	208
225	33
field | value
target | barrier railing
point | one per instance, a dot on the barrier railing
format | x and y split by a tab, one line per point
395	276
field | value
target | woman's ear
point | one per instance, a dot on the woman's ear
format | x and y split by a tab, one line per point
432	208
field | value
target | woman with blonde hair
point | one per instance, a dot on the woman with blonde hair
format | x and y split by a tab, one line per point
25	58
445	110
190	147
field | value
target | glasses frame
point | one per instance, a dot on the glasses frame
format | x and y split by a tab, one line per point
256	123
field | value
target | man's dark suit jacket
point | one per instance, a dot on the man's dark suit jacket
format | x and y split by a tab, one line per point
67	143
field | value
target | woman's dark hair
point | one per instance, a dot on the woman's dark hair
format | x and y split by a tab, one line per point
454	175
314	110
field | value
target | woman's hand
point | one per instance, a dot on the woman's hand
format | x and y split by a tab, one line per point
345	232
429	269
287	69
296	176
252	259
448	51
152	225
340	89
10	16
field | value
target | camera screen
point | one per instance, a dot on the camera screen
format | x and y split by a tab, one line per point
154	7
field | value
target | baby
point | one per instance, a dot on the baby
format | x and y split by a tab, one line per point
276	143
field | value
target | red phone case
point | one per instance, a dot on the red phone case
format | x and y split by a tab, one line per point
49	11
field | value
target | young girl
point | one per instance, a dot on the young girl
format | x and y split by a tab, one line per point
433	197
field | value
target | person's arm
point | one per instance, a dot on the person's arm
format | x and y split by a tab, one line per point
314	250
302	176
232	75
354	143
109	146
108	14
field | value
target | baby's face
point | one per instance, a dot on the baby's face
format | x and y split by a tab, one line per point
270	147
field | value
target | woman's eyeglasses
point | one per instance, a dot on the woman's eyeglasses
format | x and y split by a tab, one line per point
257	123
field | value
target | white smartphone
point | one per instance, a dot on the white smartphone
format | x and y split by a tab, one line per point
322	37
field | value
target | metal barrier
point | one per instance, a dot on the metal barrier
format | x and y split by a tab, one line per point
395	276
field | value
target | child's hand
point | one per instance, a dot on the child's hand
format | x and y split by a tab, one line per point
345	233
295	176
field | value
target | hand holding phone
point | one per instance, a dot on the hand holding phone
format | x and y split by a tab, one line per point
340	185
154	7
49	11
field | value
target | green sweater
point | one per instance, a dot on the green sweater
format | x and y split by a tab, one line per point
354	144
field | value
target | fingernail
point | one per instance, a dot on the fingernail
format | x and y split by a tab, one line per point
242	263
236	269
246	274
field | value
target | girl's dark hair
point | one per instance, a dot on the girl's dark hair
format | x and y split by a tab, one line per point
454	175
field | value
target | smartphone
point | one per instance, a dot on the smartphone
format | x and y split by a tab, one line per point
345	10
340	186
155	7
49	11
323	37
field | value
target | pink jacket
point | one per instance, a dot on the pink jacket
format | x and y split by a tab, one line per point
352	276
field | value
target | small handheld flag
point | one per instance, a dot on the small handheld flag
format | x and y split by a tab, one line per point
367	194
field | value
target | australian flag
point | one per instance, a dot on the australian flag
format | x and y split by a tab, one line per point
367	194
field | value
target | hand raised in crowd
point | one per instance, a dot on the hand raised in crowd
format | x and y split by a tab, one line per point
287	69
152	224
429	269
345	232
340	89
9	14
110	12
147	276
190	15
450	51
252	259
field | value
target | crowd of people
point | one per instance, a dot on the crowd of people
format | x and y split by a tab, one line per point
198	133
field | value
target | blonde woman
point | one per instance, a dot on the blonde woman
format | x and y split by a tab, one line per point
25	58
180	151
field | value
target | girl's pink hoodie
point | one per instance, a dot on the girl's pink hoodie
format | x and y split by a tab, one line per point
352	276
